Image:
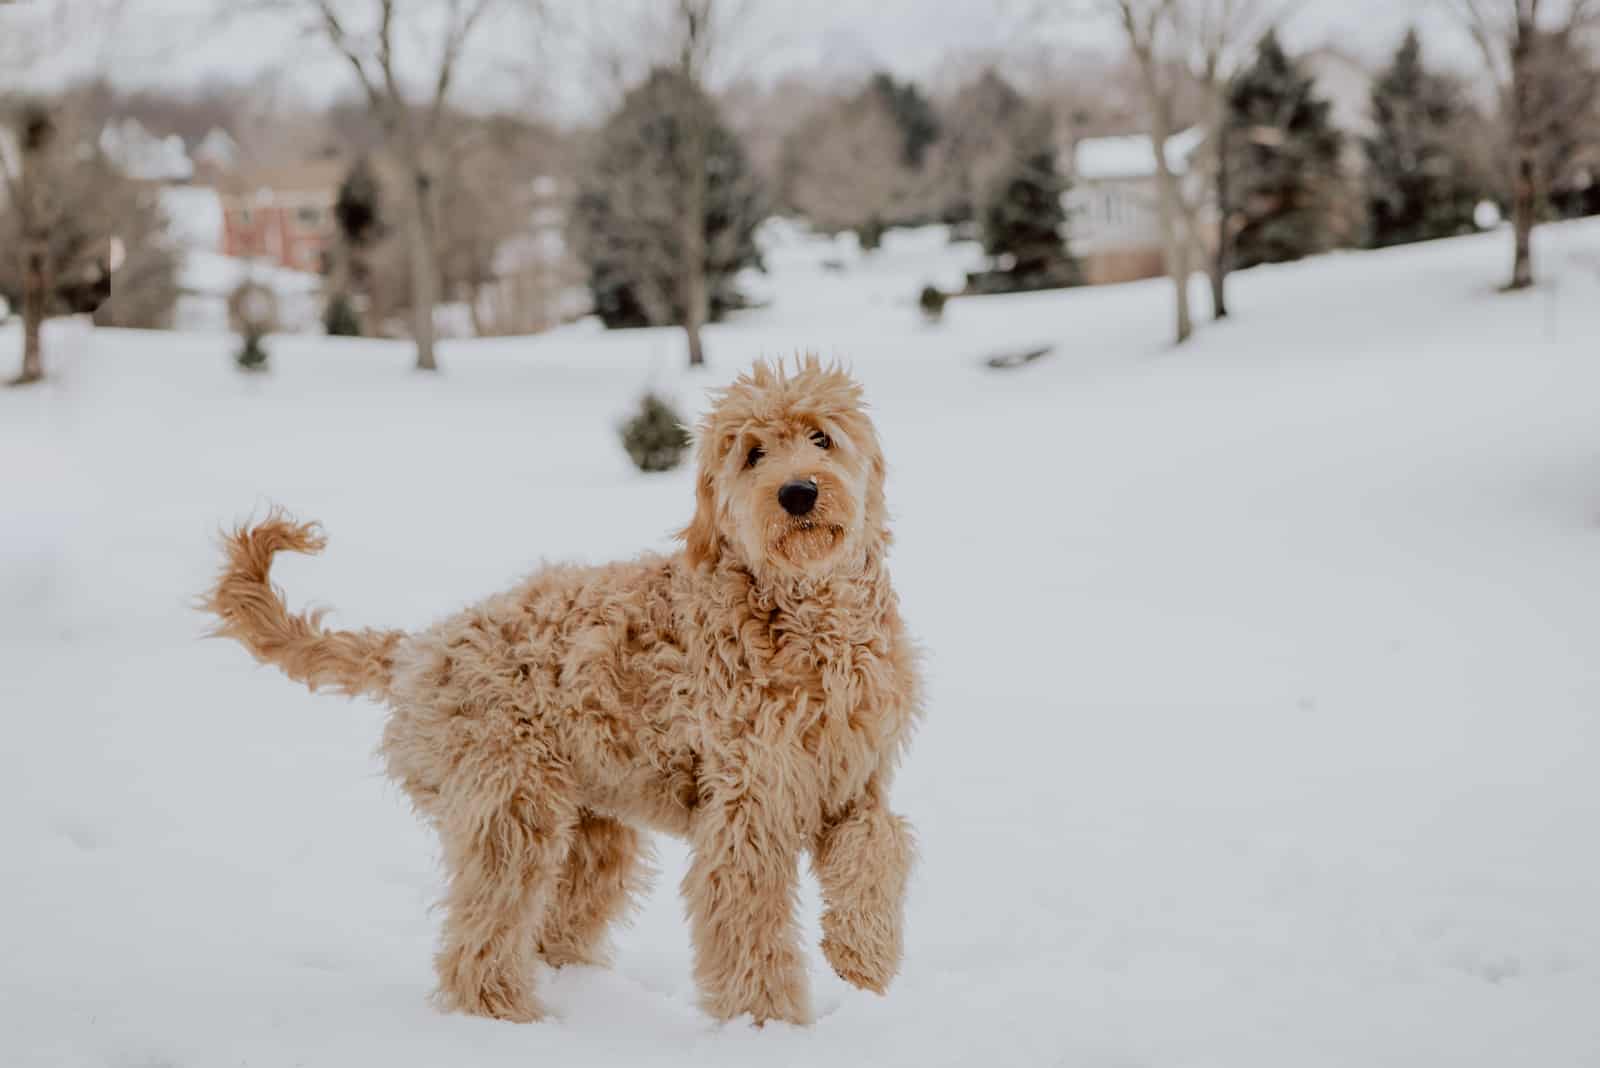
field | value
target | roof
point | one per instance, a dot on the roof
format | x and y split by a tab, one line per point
218	148
140	154
308	176
1130	156
1346	83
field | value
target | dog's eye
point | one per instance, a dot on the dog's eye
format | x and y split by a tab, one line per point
821	440
754	456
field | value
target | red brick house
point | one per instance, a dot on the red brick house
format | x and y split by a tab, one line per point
281	214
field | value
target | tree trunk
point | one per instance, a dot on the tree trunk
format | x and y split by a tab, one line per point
1523	208
1173	237
1525	137
1220	257
1170	211
35	294
479	327
1178	268
696	308
424	271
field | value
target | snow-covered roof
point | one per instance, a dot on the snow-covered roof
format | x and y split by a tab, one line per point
217	148
1346	83
140	154
1131	156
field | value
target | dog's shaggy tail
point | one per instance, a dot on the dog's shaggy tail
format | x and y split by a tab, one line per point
252	611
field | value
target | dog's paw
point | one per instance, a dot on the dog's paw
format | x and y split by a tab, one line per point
858	969
560	955
494	1002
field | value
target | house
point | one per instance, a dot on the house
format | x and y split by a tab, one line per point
1345	82
281	214
537	283
1113	216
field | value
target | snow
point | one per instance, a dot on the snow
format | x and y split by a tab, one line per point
1131	156
195	212
1261	725
207	279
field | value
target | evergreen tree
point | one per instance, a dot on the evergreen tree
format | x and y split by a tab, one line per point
358	209
1421	184
625	222
1023	221
358	213
1284	161
913	114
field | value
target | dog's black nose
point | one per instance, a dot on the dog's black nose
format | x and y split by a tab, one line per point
799	496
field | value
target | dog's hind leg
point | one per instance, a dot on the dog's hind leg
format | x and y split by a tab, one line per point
604	871
504	849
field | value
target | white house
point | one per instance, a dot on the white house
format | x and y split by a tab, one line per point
1114	221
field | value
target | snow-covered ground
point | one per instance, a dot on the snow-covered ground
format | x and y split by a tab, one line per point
1264	718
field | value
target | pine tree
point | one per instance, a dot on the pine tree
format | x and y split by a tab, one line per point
1284	156
1023	221
358	212
1421	184
913	114
626	220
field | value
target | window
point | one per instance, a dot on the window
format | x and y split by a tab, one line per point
310	215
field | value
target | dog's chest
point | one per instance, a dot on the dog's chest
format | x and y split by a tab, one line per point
827	700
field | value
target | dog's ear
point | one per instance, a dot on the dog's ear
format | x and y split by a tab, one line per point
877	508
702	540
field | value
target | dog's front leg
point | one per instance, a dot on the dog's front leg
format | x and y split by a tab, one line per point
862	861
740	892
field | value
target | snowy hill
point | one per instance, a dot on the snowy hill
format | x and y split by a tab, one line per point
1262	724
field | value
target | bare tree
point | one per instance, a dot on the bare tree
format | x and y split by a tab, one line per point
704	43
1185	48
53	211
698	38
366	34
1151	29
842	166
33	210
1523	44
1214	38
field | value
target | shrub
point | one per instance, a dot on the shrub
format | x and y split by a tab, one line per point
253	357
340	317
253	310
655	438
931	301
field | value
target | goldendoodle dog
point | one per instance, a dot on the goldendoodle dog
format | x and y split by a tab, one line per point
751	693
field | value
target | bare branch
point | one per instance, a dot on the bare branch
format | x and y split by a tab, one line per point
460	29
342	43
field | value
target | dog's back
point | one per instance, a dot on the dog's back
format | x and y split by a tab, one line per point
587	665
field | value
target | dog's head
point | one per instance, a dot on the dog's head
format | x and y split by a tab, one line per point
791	478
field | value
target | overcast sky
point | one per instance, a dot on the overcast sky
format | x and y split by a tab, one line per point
189	42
